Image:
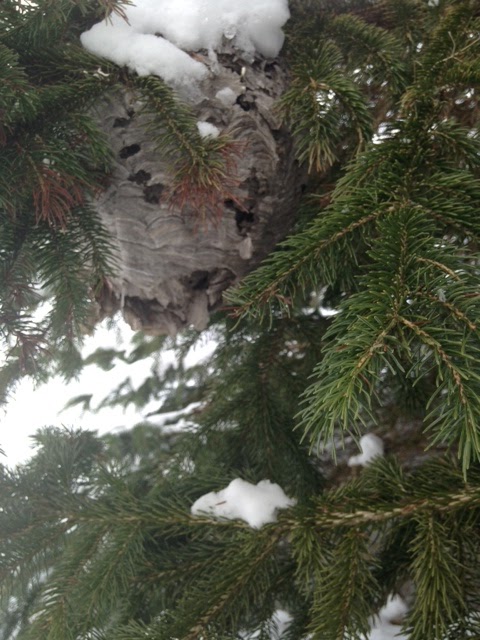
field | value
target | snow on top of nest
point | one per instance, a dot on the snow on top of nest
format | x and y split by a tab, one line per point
157	34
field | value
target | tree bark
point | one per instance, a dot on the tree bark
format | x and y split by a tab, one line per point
173	270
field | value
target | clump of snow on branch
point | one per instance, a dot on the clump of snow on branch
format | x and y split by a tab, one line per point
371	447
207	130
157	34
385	625
255	504
226	96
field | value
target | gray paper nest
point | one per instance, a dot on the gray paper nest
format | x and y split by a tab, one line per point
173	270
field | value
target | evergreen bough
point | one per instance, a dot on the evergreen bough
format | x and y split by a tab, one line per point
97	537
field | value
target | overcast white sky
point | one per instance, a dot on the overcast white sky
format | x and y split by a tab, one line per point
32	408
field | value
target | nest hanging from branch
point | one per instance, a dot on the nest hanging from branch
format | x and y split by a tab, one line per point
174	265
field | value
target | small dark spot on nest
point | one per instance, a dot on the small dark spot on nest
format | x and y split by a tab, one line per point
131	150
141	177
153	193
121	122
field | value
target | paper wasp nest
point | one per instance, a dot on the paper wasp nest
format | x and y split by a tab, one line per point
173	270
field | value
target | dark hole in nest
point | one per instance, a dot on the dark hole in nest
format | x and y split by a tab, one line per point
153	193
269	67
226	61
121	122
198	280
242	218
245	103
141	177
131	150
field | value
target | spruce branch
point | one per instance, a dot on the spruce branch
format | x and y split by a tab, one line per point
116	7
244	396
374	48
439	601
16	96
234	582
345	587
54	196
466	499
204	169
281	269
350	374
321	92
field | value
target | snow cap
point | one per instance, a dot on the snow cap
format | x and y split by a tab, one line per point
160	32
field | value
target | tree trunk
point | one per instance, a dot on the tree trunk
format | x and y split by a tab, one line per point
173	270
